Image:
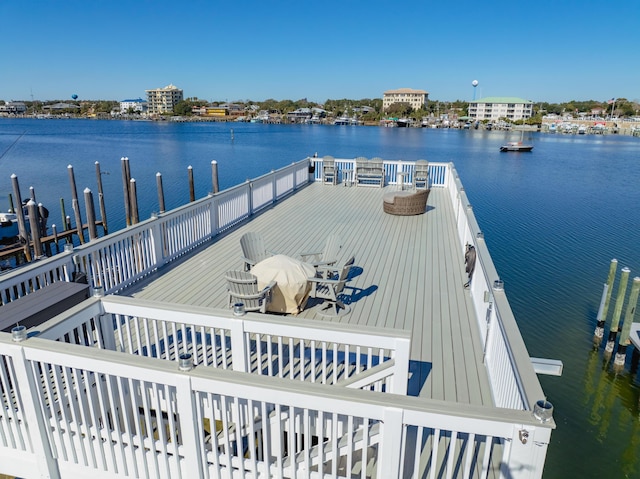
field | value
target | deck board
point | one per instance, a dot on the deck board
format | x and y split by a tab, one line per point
409	274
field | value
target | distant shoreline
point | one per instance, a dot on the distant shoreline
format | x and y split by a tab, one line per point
608	127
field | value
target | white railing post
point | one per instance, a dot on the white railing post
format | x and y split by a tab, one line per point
36	423
400	376
214	216
158	242
192	446
239	355
249	193
389	454
525	453
274	186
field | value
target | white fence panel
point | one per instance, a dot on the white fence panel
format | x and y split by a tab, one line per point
306	351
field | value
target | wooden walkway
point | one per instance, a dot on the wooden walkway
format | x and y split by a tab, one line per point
409	274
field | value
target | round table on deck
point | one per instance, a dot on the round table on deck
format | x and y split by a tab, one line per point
292	289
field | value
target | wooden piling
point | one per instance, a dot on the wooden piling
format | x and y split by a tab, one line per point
214	176
103	209
75	205
22	226
32	208
598	333
621	353
610	279
160	192
63	214
54	231
615	321
32	194
43	215
133	199
124	162
11	207
192	190
91	214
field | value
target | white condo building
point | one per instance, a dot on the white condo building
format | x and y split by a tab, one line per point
137	105
493	108
415	98
162	100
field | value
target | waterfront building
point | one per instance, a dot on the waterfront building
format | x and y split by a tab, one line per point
162	100
301	115
495	107
13	107
61	108
416	98
138	105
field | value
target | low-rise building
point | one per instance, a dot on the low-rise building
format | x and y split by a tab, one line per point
138	105
13	108
162	100
495	107
416	98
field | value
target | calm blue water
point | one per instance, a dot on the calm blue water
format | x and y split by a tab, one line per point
553	220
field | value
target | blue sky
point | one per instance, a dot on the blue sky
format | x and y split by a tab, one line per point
231	50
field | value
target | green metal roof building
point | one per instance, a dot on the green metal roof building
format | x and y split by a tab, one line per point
496	107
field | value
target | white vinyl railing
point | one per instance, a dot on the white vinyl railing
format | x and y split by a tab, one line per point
84	412
513	381
250	407
122	258
437	171
327	353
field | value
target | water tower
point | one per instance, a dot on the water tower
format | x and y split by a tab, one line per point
475	84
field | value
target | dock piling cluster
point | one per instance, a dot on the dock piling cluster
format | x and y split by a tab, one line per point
616	331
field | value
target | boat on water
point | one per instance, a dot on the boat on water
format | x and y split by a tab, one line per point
8	227
156	373
404	122
517	146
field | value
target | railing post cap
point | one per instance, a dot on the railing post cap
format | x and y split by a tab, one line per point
185	362
19	333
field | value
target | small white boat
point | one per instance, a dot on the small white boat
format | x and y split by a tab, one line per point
516	146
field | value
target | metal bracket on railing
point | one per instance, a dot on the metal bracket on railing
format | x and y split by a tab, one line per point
524	436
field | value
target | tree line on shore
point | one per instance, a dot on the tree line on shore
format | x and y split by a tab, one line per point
351	107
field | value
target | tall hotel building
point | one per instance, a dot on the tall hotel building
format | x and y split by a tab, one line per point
162	100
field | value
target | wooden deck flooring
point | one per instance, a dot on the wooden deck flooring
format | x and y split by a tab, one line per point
409	274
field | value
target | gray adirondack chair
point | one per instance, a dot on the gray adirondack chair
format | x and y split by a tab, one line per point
328	256
329	173
421	175
329	286
253	249
242	287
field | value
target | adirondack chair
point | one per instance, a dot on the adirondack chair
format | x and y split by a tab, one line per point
329	173
242	287
328	287
421	175
253	249
328	256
